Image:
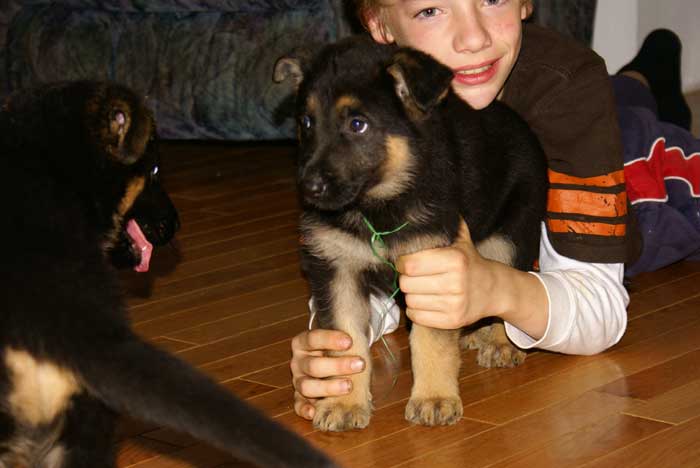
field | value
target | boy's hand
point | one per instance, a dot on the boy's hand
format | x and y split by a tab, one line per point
313	372
449	287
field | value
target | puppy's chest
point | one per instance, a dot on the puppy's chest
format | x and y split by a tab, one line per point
363	251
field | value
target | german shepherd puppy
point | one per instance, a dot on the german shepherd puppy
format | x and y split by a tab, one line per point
384	139
78	166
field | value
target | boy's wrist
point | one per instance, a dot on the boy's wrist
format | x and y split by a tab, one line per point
522	301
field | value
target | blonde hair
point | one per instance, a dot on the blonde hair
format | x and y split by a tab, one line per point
366	9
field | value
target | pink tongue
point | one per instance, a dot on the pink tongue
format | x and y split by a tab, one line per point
139	240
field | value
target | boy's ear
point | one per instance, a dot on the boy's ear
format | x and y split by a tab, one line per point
420	81
292	66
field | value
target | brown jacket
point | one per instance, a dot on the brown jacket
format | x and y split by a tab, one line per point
562	89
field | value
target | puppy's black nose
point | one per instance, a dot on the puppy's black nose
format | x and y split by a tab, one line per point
314	187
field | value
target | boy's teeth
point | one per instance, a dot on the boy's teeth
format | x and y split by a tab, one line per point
474	71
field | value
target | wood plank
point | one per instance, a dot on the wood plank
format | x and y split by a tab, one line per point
658	379
250	340
296	308
251	281
247	303
515	437
139	449
598	371
664	295
195	456
675	447
586	444
675	406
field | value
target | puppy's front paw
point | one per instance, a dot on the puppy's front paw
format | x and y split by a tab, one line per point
334	415
499	355
434	411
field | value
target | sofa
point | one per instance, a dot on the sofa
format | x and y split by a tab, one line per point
205	66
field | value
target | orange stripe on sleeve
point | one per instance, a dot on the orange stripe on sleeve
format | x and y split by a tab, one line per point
609	205
610	179
598	229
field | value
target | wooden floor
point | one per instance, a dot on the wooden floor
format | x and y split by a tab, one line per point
230	298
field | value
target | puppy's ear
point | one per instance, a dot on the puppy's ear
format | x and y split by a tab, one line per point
420	81
292	66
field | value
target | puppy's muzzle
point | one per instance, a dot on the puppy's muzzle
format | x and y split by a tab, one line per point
314	187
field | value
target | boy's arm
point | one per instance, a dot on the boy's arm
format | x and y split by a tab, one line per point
587	305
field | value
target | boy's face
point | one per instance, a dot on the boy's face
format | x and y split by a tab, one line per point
479	39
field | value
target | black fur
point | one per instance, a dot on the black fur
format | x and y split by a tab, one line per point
68	154
356	98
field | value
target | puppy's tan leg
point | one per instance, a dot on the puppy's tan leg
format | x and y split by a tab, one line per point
435	360
495	349
351	315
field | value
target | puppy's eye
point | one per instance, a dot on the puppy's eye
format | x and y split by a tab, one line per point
155	171
358	125
306	122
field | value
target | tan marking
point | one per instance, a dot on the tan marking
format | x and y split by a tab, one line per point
495	349
498	248
288	68
351	315
346	101
397	170
139	136
340	248
40	390
420	214
435	360
418	243
55	458
403	92
133	190
312	104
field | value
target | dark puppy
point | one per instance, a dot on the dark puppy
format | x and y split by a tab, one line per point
78	163
383	137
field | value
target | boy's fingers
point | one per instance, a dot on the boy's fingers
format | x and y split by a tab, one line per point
431	302
430	262
431	285
321	367
429	318
316	388
319	339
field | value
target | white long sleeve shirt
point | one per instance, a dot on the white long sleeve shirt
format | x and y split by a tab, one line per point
587	304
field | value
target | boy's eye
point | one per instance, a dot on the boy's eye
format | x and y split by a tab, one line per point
493	2
427	13
358	125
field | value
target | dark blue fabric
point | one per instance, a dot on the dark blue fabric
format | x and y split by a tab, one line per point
670	229
204	65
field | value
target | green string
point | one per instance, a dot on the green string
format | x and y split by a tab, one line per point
377	237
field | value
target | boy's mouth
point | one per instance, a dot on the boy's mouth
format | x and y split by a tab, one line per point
475	75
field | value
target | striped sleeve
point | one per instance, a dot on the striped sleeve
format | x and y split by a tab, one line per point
585	214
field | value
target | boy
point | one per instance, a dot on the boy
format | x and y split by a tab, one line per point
576	303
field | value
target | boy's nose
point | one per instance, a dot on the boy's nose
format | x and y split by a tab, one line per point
471	33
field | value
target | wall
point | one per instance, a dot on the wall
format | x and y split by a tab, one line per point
621	26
